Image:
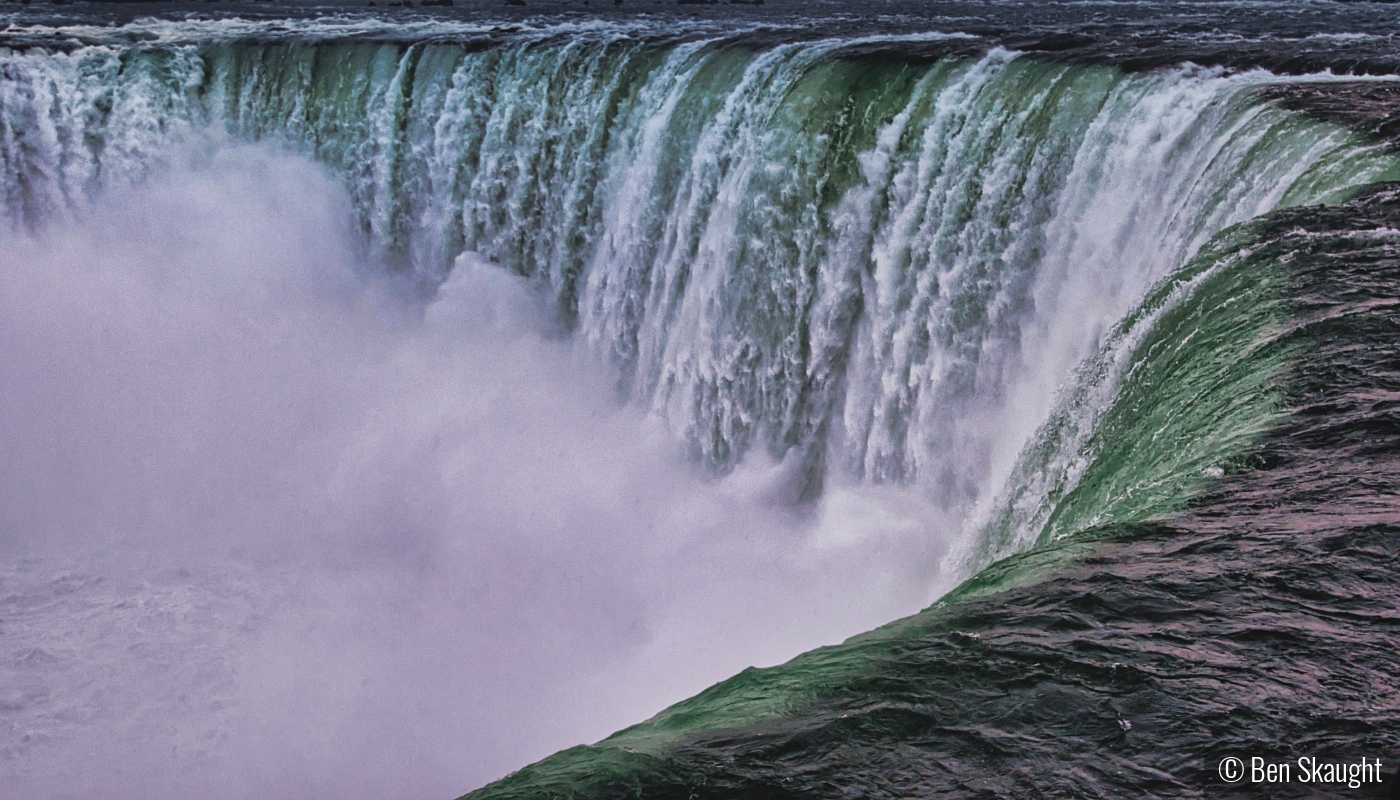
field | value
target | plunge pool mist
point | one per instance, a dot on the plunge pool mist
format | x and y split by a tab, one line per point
274	529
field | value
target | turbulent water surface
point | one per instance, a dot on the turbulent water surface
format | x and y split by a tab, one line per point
393	397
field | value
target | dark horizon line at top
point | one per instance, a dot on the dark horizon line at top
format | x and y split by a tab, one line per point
1345	38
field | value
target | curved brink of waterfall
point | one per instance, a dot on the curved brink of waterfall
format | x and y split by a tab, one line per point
1013	285
1131	609
866	270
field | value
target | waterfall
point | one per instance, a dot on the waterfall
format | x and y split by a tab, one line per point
867	270
513	382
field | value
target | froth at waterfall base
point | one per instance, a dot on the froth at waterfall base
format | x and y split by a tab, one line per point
272	528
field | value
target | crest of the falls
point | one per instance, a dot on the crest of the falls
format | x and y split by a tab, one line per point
869	270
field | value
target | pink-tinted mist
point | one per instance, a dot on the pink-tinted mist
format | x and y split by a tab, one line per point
270	529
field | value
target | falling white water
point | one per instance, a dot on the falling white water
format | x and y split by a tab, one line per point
888	290
276	525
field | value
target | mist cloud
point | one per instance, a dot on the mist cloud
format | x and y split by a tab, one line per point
271	528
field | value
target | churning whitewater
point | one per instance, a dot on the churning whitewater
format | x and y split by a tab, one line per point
414	406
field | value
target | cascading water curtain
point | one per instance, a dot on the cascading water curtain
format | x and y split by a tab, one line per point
874	271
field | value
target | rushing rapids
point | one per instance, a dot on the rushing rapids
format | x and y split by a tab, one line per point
1056	300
